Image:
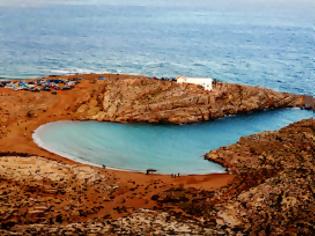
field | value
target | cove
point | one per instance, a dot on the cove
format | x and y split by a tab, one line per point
167	148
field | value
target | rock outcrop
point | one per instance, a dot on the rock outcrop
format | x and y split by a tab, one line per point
37	190
276	181
151	100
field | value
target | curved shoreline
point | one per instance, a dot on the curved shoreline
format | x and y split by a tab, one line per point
77	158
40	144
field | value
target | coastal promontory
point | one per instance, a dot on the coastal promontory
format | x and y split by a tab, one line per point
151	100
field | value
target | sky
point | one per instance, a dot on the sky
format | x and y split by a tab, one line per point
300	7
222	3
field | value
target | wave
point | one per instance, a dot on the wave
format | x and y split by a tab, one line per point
76	71
8	77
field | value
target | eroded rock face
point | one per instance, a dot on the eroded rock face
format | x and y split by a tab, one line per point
36	190
276	181
149	100
281	204
268	153
141	222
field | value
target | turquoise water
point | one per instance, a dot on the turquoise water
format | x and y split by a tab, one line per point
270	43
167	148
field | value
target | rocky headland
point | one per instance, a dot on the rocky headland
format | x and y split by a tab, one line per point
155	101
268	190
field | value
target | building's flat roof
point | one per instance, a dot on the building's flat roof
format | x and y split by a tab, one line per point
185	77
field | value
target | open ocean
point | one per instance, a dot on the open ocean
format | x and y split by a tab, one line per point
267	46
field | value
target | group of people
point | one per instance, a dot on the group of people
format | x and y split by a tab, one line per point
175	175
40	84
165	78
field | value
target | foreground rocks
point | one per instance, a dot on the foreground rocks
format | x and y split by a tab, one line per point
36	190
142	222
276	178
40	196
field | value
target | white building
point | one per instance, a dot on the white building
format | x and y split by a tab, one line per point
204	82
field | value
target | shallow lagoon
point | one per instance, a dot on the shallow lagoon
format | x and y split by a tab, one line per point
167	148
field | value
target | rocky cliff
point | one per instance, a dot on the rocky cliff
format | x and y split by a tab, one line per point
276	182
150	100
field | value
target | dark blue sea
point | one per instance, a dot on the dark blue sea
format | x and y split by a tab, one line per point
266	43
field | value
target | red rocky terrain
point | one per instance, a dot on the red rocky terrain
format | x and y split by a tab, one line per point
268	190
